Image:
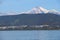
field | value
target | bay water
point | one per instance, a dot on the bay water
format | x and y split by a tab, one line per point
30	35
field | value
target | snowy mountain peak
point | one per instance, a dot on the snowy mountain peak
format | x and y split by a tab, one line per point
37	10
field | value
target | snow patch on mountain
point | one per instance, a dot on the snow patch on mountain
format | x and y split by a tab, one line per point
37	10
54	12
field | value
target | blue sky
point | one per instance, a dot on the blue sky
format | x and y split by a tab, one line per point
24	5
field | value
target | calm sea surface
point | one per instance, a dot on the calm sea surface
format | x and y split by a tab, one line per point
30	35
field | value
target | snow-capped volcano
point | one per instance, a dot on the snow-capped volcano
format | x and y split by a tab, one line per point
37	10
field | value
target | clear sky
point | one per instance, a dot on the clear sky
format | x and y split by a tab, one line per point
24	5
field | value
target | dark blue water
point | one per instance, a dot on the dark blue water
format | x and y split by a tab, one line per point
30	35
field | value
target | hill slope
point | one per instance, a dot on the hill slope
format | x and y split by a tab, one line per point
30	19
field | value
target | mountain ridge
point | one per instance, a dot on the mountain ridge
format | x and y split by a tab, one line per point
35	10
